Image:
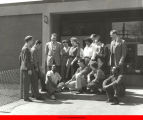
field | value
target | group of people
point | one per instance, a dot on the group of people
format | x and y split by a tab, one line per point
93	69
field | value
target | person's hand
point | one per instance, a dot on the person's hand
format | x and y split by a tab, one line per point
67	64
120	63
105	87
29	72
72	63
68	82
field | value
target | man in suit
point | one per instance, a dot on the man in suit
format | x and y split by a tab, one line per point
117	50
37	73
52	50
26	68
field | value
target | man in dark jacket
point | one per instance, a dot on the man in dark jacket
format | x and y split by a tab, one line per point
26	68
37	73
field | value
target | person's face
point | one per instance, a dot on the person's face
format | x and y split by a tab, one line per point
53	38
53	68
87	43
96	39
113	35
65	44
73	43
99	61
31	43
80	64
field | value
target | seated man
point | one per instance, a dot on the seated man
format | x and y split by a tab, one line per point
78	81
114	86
95	78
52	80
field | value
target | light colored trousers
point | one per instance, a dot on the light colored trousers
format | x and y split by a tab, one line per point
78	84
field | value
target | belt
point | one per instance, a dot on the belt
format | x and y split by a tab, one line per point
87	57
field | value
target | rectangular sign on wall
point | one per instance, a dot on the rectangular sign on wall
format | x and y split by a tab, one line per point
140	49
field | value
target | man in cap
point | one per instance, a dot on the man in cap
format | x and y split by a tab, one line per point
26	68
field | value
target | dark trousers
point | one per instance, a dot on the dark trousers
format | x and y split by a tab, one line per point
34	84
110	92
117	90
36	76
25	81
41	77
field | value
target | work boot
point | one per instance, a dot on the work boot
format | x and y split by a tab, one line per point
39	98
116	101
28	100
53	97
110	100
79	92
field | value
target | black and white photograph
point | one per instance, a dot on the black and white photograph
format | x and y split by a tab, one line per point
71	57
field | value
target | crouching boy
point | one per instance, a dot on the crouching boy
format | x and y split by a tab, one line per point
52	80
114	86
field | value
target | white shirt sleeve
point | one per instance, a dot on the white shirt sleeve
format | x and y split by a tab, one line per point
49	73
59	77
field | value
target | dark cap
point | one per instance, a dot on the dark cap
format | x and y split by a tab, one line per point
114	32
38	42
74	39
94	35
28	38
64	41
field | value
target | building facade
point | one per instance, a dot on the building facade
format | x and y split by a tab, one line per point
78	18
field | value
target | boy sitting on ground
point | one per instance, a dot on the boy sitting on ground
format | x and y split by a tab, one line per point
114	86
79	80
52	80
95	79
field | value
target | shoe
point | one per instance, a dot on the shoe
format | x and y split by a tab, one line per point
39	98
84	89
28	100
110	100
43	90
33	96
53	97
116	101
64	89
79	92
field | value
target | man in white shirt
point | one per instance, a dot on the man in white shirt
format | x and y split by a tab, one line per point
52	80
88	50
97	45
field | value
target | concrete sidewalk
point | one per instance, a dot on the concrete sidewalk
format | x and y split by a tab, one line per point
84	104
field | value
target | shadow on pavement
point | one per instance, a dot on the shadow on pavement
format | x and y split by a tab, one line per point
132	98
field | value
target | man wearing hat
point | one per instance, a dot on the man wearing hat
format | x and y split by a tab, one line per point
26	68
